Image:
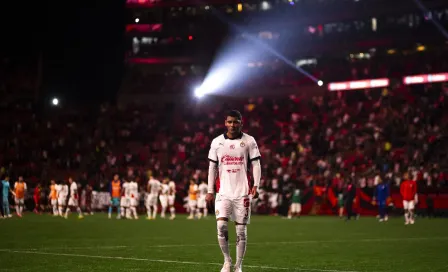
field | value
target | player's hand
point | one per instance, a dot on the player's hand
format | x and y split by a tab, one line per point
209	198
254	192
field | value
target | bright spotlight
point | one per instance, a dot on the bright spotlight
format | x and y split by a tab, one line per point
320	83
199	92
137	20
55	101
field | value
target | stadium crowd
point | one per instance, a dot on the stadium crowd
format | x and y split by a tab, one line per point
322	140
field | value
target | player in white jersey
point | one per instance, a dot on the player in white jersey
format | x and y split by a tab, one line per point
172	198
73	201
153	190
62	191
133	199
163	197
229	158
202	204
124	200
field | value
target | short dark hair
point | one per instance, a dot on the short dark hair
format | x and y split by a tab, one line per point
234	113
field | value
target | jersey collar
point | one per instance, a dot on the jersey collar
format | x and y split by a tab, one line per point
236	138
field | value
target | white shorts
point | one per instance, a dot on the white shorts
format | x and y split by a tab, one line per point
192	203
124	202
61	201
133	202
163	200
171	200
296	208
408	205
19	201
237	209
73	202
54	202
201	202
151	200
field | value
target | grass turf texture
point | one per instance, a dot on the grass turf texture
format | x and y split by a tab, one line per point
327	244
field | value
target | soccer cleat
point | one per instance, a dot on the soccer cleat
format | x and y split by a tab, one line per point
149	218
386	218
381	220
119	217
10	215
238	269
412	222
172	217
227	267
190	217
80	217
406	223
109	216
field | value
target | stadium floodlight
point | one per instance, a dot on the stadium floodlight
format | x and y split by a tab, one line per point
199	92
320	83
137	20
55	101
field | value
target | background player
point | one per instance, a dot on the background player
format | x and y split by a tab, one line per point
202	204
36	198
89	197
296	204
164	190
408	190
19	195
192	199
62	190
171	199
133	199
152	197
229	157
53	196
5	197
73	201
125	199
115	193
381	196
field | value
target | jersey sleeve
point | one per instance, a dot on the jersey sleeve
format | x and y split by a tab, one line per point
213	154
254	153
195	187
24	186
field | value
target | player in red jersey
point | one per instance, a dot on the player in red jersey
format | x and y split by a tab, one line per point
408	190
36	197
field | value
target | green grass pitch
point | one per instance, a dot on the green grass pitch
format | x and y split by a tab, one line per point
326	244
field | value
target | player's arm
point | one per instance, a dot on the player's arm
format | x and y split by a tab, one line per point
212	170
255	156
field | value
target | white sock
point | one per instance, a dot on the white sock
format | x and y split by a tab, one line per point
148	210
17	209
192	210
122	211
78	209
205	212
223	239
173	211
154	212
55	210
134	211
241	241
128	212
21	209
163	211
406	216
61	211
67	211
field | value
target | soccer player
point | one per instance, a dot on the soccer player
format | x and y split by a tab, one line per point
36	197
408	190
164	197
171	199
125	199
153	189
19	195
115	193
296	204
133	200
89	197
5	194
341	205
53	197
202	204
192	199
73	200
229	156
381	196
62	191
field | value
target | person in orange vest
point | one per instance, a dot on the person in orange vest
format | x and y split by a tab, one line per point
193	198
53	197
115	194
19	195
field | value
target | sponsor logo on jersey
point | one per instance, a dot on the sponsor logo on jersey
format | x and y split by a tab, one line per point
232	160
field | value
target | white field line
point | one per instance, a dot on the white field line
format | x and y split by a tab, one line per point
166	261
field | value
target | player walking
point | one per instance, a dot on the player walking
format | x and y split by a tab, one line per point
53	197
5	194
151	200
62	191
192	199
171	199
19	195
133	199
408	190
382	194
115	192
164	190
296	204
74	199
124	201
202	204
229	157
